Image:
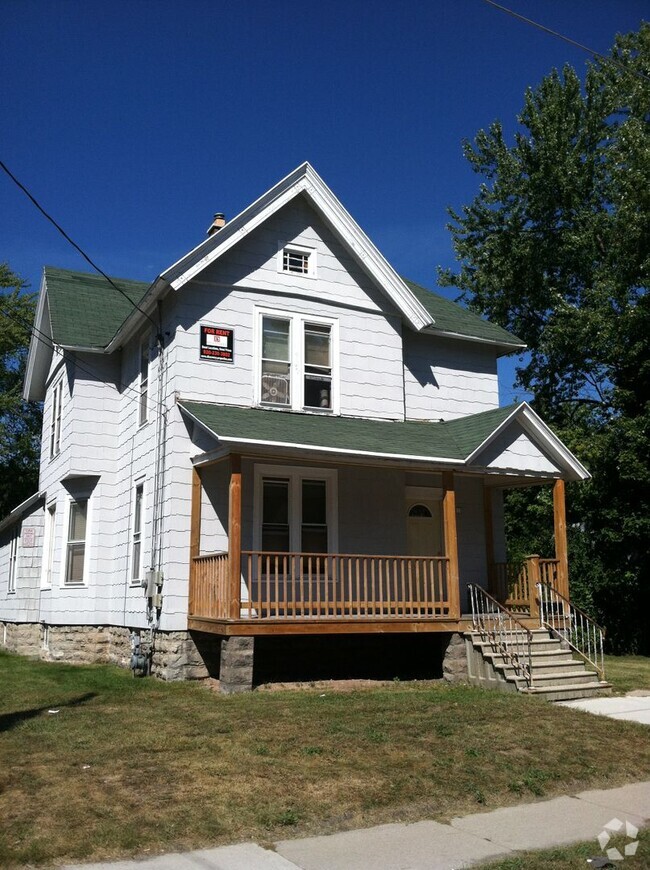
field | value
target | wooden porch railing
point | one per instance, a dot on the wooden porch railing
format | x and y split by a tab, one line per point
514	584
290	586
209	586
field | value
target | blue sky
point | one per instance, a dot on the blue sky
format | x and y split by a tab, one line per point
133	122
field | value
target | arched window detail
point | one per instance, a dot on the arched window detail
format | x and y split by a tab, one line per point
420	510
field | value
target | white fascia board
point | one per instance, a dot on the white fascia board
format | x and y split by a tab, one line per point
305	180
311	448
503	345
18	511
540	433
37	346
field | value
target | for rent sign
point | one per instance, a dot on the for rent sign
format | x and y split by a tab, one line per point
217	343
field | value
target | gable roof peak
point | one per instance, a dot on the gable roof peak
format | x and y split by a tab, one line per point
303	180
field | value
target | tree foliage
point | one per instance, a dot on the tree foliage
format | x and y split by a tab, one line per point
556	248
20	421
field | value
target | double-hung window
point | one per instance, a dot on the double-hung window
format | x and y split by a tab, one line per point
13	559
48	546
76	543
297	366
55	419
296	509
136	542
144	382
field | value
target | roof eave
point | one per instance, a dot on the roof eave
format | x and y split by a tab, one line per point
14	515
505	346
37	345
231	441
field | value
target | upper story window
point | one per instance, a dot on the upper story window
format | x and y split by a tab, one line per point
297	260
55	420
297	365
144	382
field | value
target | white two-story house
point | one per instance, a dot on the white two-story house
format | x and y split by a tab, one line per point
279	448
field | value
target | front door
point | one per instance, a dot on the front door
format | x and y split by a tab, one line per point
424	528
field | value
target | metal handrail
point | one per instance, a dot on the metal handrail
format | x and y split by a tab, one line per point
508	636
572	625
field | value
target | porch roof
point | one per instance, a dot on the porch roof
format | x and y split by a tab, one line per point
450	442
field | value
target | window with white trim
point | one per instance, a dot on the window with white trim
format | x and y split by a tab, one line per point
55	419
298	357
76	542
136	537
13	559
297	260
48	546
144	383
296	509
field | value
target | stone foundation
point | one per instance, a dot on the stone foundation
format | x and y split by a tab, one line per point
454	662
176	655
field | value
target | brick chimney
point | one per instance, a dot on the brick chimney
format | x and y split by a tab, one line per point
218	222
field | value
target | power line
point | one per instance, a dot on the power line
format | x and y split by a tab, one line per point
45	339
22	187
568	39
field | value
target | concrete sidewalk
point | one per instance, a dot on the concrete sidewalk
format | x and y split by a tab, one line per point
464	842
634	707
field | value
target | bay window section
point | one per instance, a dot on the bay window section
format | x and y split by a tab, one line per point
276	361
318	366
76	545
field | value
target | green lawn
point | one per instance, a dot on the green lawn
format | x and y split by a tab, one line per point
135	766
628	672
571	857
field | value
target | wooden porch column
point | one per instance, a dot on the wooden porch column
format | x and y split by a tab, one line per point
234	535
195	535
559	526
451	541
489	539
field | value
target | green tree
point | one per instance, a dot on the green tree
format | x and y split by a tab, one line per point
20	421
556	247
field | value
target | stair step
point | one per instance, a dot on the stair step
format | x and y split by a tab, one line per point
569	692
561	678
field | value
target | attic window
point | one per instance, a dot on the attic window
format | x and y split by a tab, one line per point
297	260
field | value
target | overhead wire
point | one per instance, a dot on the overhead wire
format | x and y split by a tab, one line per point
33	199
45	339
575	43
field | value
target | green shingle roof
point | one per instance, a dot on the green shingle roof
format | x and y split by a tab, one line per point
85	310
451	317
454	440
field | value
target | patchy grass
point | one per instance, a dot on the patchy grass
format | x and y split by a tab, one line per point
132	766
628	672
571	857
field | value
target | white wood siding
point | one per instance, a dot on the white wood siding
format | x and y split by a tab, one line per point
445	379
23	604
230	291
513	450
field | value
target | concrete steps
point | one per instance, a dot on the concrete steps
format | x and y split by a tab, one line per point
557	675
